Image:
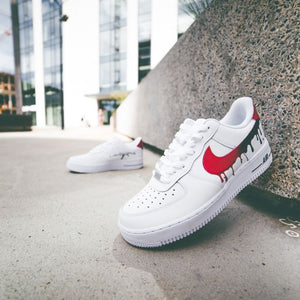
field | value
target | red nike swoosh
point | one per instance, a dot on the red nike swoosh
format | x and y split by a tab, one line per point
217	165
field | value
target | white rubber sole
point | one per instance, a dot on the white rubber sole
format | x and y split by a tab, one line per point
243	177
109	166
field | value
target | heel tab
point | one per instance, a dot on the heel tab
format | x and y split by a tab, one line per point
139	142
255	113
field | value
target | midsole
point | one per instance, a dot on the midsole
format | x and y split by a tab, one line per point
106	166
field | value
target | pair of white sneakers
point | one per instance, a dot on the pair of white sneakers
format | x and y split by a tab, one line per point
207	164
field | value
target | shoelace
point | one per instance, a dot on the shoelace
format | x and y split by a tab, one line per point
179	150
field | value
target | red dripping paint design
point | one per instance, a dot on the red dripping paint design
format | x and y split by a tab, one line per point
218	165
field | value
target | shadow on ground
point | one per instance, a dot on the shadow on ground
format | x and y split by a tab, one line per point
244	253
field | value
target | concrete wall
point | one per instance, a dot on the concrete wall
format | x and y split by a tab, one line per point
235	48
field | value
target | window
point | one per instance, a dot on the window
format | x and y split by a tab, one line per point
144	20
26	51
112	45
52	61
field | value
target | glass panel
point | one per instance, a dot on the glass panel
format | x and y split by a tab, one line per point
144	59
26	51
106	11
52	60
105	72
144	20
123	69
105	43
113	44
123	39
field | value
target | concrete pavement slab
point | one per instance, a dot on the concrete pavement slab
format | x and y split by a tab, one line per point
59	237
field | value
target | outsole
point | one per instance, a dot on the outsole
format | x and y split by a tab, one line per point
178	237
89	170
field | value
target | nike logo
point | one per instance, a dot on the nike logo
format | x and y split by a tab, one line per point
265	158
122	155
217	165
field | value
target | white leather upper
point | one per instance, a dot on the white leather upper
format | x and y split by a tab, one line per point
191	188
112	150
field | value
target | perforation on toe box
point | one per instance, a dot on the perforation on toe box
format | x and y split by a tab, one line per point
149	199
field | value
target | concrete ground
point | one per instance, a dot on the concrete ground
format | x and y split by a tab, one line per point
59	237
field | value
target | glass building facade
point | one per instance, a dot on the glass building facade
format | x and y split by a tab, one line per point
144	37
52	61
52	58
113	50
26	53
112	45
113	19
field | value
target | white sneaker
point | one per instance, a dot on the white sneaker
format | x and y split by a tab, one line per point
207	164
111	155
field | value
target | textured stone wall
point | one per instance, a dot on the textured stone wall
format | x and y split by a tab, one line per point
235	48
